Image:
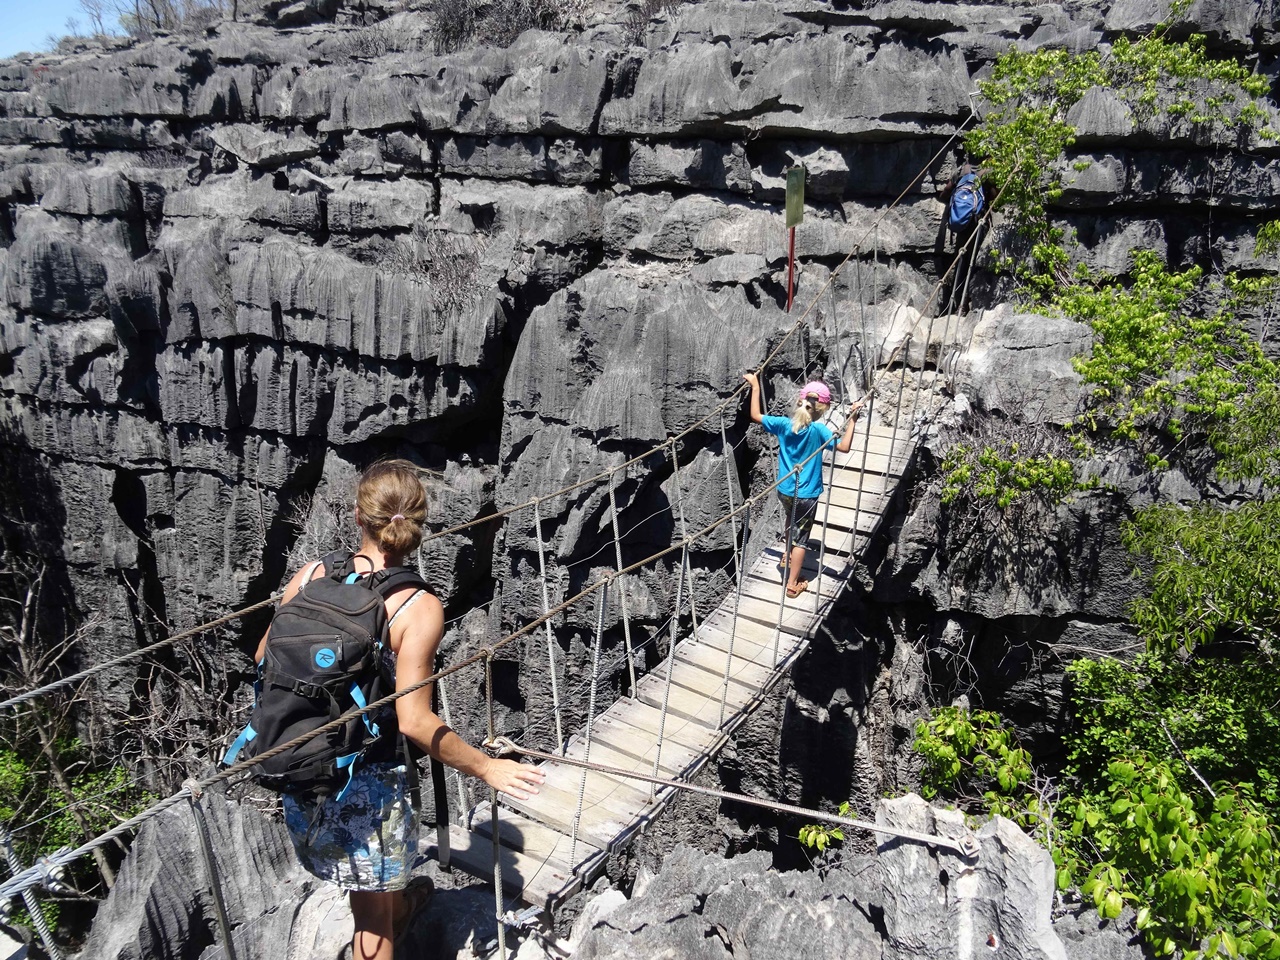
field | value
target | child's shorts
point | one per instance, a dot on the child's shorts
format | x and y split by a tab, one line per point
806	508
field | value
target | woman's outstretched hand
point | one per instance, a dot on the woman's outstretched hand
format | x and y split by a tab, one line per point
752	379
515	779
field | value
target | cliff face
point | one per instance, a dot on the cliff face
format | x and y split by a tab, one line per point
236	267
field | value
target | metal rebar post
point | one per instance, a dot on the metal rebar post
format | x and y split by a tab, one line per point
822	542
862	323
973	255
733	625
493	813
875	277
215	883
786	564
726	452
862	471
919	387
671	662
591	717
29	899
684	534
546	609
464	802
622	589
897	410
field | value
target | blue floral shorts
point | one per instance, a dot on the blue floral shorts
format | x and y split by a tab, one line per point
368	840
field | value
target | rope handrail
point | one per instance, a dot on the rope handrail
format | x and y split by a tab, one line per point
966	847
150	648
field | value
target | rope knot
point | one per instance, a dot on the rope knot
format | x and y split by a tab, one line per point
500	746
193	788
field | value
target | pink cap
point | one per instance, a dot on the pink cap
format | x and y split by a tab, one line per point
817	390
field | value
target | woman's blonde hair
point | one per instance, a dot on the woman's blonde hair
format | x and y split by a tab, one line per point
393	506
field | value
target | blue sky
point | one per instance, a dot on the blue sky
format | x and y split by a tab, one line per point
24	24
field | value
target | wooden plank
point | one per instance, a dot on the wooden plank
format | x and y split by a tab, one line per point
673	759
742	670
630	720
537	881
770	589
877	441
529	838
600	824
715	633
843	517
695	706
860	491
809	569
794	621
680	702
879	455
708	685
848	471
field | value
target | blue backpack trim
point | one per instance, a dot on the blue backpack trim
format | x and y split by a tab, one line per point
246	736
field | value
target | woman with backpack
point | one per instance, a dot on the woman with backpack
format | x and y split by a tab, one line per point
365	837
799	438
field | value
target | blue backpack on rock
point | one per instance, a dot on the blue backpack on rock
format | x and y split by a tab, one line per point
967	203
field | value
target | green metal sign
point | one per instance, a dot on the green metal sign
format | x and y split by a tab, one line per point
795	195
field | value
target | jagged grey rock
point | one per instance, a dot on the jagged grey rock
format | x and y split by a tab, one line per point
237	266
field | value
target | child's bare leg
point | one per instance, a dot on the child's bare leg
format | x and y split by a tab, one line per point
793	567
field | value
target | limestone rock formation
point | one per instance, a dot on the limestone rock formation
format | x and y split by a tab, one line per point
235	267
905	900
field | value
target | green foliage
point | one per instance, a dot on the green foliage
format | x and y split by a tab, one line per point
1213	569
1194	871
1138	828
1157	364
42	818
969	754
821	836
1005	475
1220	713
1024	130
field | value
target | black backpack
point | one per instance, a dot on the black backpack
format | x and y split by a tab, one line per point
323	659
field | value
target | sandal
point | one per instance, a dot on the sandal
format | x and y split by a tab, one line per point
418	895
800	587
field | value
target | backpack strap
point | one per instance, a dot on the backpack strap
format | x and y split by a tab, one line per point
338	564
312	572
388	581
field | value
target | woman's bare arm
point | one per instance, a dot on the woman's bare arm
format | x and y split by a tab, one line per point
415	659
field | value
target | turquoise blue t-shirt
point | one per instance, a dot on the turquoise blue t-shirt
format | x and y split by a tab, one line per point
793	448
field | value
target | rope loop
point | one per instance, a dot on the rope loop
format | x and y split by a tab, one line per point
487	653
500	747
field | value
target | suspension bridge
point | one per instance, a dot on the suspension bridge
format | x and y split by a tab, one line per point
610	780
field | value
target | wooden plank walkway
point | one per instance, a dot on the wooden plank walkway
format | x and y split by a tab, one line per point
718	676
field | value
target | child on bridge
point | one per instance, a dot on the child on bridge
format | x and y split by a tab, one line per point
799	439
